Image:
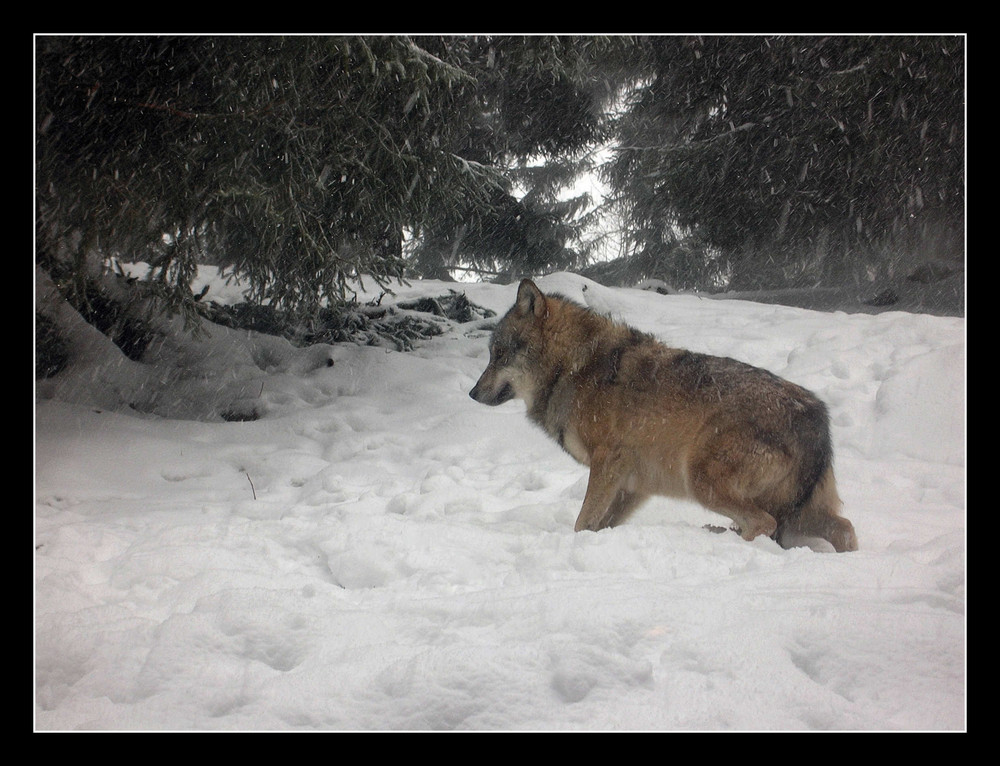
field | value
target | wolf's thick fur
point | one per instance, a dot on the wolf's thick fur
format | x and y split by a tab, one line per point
654	420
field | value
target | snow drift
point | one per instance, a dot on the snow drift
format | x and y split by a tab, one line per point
369	549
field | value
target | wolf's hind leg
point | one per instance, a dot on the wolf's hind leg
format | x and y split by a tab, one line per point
751	520
733	474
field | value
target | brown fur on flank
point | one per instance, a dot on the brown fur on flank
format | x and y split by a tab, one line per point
653	420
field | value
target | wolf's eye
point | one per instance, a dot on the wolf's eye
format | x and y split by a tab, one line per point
505	350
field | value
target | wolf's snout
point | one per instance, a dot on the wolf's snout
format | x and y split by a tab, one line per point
485	394
477	391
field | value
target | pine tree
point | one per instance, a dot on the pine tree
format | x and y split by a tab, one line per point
297	162
760	160
541	109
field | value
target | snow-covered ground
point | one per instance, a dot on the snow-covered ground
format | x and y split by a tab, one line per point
379	552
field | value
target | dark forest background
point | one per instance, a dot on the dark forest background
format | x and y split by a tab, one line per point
302	163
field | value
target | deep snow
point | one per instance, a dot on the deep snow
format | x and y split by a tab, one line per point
380	552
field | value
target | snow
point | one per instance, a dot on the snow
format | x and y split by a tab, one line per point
379	552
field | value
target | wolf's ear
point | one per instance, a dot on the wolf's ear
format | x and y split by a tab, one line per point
530	299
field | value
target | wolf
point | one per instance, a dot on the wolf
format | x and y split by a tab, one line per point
649	419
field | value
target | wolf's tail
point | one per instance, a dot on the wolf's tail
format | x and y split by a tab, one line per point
820	516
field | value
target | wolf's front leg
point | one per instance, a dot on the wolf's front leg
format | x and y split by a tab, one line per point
606	501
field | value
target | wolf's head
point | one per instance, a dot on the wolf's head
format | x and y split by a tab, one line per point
512	348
